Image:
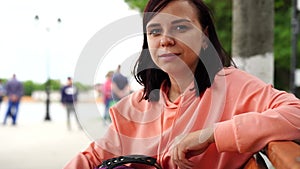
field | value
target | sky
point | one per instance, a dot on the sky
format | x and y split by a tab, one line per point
37	49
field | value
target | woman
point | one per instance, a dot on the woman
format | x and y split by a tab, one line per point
196	109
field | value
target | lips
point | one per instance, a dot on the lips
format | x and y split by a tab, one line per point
168	55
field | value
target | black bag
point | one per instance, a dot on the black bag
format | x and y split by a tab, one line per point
118	162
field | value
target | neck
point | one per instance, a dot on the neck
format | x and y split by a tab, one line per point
178	86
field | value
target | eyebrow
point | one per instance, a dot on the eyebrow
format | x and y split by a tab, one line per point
153	25
180	20
173	22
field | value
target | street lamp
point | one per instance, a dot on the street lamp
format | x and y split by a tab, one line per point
48	82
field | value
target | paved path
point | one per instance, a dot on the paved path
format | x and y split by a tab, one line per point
38	144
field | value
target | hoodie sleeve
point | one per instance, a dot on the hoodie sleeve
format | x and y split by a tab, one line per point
277	117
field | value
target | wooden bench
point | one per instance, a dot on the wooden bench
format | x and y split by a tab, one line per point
281	155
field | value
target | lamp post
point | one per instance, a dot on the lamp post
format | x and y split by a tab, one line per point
48	82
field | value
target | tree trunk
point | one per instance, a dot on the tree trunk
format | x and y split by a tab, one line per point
252	42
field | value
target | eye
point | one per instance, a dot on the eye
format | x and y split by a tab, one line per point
180	28
154	32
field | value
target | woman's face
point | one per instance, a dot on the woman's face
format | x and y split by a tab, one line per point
175	38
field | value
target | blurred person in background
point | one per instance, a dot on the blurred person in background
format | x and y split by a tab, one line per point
120	85
69	95
107	96
14	92
2	91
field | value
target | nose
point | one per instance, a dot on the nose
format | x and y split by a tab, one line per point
166	41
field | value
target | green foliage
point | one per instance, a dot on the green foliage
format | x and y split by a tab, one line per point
222	15
282	33
55	85
282	43
137	4
82	87
28	87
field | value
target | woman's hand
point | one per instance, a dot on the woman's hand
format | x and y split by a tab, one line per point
192	144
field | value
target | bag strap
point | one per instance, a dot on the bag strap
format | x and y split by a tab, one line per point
118	161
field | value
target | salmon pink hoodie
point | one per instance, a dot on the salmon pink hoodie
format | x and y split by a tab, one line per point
246	114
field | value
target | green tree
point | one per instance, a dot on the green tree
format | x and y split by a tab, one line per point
54	84
137	4
282	43
82	87
223	20
28	87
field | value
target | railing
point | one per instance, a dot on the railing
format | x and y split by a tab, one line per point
280	155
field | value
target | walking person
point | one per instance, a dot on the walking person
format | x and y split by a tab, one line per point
107	96
69	99
2	92
14	92
120	85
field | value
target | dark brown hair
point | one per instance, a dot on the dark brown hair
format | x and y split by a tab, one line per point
212	59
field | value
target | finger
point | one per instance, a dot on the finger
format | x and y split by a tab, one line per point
183	162
178	156
192	154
